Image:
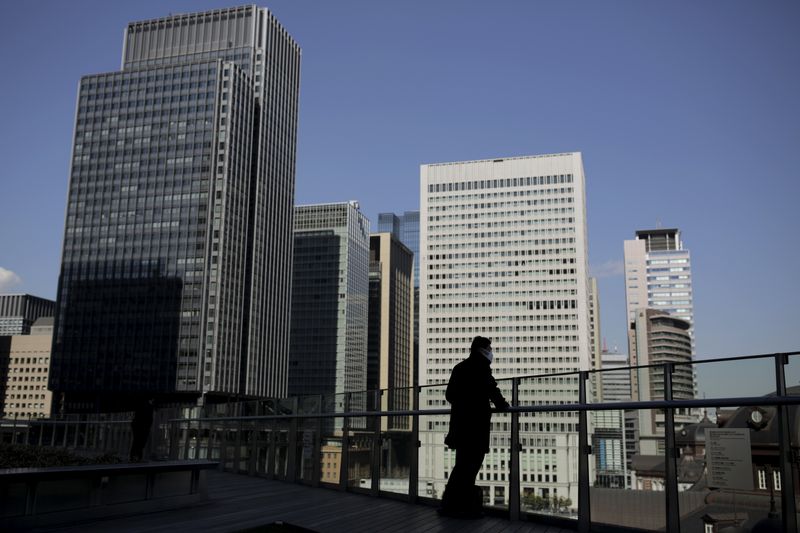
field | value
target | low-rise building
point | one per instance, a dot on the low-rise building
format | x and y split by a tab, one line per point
24	370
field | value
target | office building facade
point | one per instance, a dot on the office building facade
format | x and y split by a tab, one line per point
595	338
612	449
328	346
657	337
405	228
24	369
390	362
658	275
658	282
616	379
18	312
504	255
176	266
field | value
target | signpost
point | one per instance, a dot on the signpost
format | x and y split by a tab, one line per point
729	458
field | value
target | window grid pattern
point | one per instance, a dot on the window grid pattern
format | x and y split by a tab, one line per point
503	255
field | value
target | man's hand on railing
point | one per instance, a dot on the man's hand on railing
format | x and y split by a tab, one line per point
503	406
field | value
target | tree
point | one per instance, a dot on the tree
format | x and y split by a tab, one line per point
536	502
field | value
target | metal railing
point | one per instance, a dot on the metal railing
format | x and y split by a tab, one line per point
341	441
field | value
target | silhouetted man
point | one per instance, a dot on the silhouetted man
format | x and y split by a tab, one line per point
469	391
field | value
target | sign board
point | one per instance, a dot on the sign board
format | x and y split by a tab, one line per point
729	458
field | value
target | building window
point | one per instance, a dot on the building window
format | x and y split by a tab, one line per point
776	480
709	528
762	479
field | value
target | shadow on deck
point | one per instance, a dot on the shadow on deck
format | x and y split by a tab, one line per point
240	502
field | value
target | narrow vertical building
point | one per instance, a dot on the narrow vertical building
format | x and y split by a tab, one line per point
504	255
176	266
405	227
391	325
594	337
330	292
612	450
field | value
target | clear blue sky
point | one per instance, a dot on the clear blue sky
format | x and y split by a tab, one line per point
686	113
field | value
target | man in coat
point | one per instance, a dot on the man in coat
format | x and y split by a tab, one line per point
469	391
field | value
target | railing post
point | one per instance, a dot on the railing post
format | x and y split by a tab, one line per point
345	464
252	462
377	442
317	459
584	504
413	468
86	426
671	455
173	440
77	432
788	504
237	452
186	442
513	475
291	442
14	429
272	451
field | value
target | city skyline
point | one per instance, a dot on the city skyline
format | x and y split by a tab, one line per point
712	115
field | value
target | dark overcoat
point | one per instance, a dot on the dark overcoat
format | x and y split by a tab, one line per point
469	391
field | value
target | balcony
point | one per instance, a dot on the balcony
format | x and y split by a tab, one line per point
559	458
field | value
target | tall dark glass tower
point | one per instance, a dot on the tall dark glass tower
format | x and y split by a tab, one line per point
330	306
176	268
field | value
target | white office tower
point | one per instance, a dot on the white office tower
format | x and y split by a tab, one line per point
504	255
658	280
658	275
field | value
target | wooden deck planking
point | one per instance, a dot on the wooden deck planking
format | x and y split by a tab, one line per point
240	502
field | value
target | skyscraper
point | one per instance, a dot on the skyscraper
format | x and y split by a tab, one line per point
504	255
656	337
658	298
390	363
405	228
328	348
176	266
658	274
